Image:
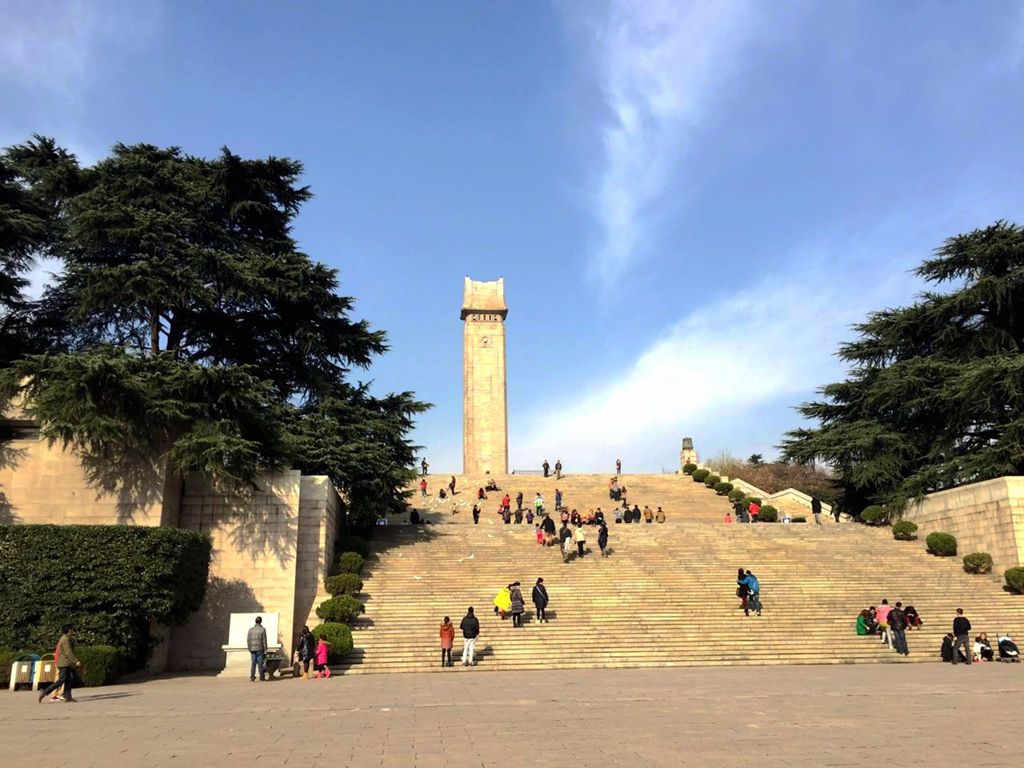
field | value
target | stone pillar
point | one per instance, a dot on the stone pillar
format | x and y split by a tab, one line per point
484	399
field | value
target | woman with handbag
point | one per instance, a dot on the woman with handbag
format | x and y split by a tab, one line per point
307	649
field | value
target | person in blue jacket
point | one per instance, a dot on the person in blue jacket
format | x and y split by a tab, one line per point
751	583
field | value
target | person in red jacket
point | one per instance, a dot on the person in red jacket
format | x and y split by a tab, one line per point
754	509
447	640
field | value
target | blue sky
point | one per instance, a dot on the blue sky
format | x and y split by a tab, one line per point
690	202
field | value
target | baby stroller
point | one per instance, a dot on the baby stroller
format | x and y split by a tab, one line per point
1008	649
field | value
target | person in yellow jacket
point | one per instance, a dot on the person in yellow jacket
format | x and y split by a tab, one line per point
580	537
503	602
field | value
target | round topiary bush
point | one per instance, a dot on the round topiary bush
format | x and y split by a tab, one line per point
700	475
353	544
101	664
689	469
736	494
344	584
941	544
712	480
978	562
769	514
874	515
1015	579
343	608
349	562
339	636
904	530
723	489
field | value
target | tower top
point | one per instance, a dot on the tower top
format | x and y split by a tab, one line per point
484	296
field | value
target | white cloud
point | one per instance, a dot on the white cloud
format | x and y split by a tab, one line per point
56	46
660	64
722	368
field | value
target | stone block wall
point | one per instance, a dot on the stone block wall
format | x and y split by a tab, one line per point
255	559
319	512
984	517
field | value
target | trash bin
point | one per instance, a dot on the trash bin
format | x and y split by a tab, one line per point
23	670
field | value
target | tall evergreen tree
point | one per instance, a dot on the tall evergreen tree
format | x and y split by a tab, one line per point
186	322
935	397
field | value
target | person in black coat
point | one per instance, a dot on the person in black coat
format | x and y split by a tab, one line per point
602	538
636	513
307	649
540	601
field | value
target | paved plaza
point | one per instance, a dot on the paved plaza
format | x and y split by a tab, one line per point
879	714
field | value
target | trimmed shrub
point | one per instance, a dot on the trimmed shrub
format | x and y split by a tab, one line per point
736	494
344	584
978	562
904	530
875	516
109	581
712	480
700	475
349	562
1014	580
769	514
344	609
723	489
101	664
353	544
689	469
339	636
941	544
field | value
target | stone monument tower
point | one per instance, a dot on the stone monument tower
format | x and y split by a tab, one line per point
484	396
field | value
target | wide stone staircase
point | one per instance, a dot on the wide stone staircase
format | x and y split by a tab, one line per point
678	495
666	594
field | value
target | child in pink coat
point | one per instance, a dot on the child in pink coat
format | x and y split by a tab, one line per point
321	658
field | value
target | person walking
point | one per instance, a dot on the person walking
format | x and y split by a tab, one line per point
519	500
451	486
565	541
424	467
754	600
476	514
580	537
602	539
307	650
546	467
558	469
816	509
518	605
660	515
447	641
323	652
67	663
558	500
256	641
898	626
835	511
540	601
648	514
618	466
961	635
743	591
538	503
470	627
423	487
636	513
882	616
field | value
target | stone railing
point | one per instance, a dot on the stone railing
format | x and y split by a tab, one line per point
787	497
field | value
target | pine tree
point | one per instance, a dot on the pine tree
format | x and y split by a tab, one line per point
935	396
187	324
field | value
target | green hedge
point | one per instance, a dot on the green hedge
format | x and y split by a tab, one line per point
344	609
723	489
689	469
875	515
736	494
712	480
700	475
101	664
344	584
109	581
769	514
353	544
978	562
941	544
340	638
349	562
7	657
1015	579
904	530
